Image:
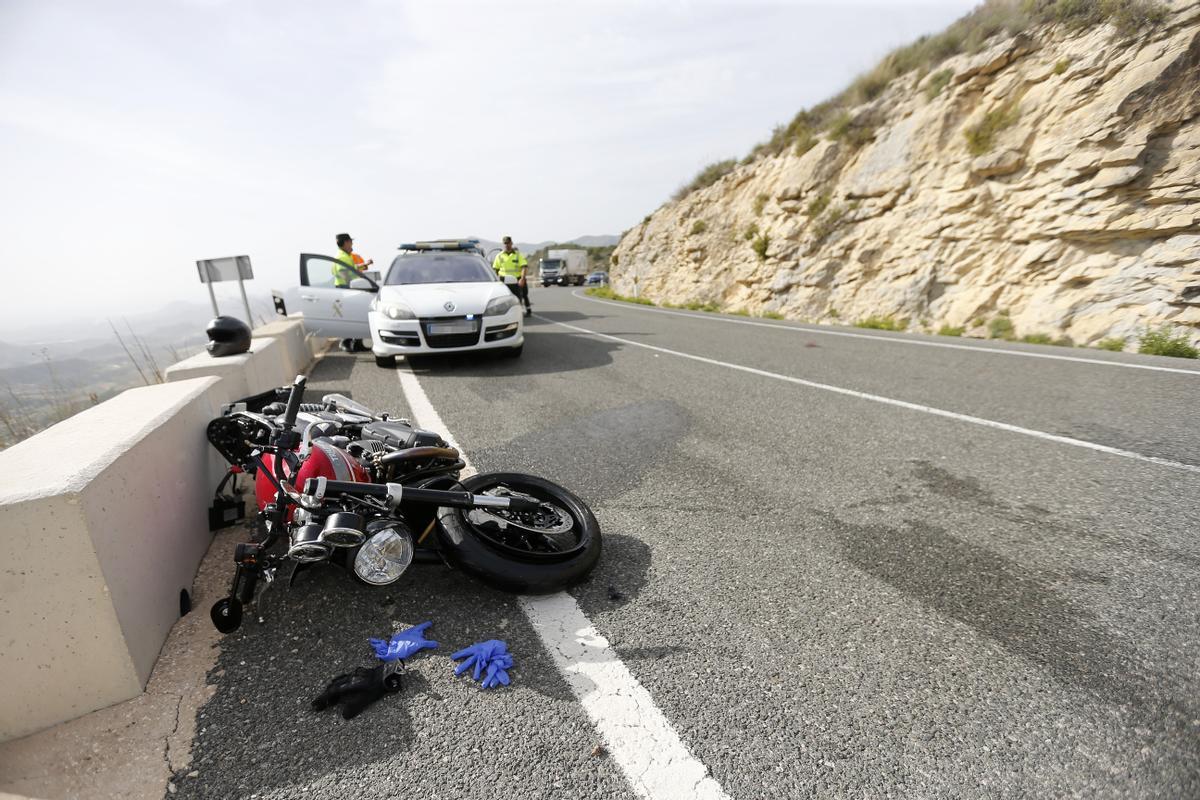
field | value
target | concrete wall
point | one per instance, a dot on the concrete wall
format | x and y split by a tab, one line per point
103	521
299	348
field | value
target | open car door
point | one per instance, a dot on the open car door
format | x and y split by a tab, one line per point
329	311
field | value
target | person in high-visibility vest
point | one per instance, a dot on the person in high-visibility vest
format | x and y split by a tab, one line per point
511	266
347	256
346	269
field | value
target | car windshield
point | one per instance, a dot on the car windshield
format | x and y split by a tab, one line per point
551	263
438	268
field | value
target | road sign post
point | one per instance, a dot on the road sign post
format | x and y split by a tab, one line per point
230	268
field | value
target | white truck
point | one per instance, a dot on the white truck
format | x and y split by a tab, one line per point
564	267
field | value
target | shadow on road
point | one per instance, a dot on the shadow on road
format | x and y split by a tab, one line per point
1018	607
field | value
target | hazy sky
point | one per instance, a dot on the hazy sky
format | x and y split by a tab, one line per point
136	138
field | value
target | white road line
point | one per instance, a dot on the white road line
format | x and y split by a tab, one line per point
894	340
637	734
640	739
987	423
426	416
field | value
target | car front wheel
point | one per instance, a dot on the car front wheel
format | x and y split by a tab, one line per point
387	362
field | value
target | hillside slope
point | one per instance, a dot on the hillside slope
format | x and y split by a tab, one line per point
1053	179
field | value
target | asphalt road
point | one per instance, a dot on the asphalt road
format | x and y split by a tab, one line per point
825	595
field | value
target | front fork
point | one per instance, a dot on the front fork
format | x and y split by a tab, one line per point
248	558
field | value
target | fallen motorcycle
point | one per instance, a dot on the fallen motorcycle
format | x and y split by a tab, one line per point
335	482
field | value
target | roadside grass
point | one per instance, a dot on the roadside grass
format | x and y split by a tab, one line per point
982	137
1129	17
760	202
760	245
1045	338
606	293
804	142
937	83
751	231
1061	66
695	305
706	177
1001	327
854	131
818	204
1162	342
1153	341
699	227
969	34
827	222
882	323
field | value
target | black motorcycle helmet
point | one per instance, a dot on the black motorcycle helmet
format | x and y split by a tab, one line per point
227	336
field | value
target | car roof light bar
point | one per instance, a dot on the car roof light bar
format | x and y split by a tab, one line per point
442	244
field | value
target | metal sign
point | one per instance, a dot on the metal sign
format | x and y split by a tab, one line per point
230	268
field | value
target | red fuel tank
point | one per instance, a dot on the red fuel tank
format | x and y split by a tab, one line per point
324	461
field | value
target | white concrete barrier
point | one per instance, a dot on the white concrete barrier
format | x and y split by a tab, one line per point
298	347
104	521
104	524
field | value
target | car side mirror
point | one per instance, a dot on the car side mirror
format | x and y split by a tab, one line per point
362	284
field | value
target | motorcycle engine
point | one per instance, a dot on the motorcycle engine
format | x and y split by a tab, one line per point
399	436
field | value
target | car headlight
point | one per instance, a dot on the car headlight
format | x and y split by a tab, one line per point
397	311
385	556
500	305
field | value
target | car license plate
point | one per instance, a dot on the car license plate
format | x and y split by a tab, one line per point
458	326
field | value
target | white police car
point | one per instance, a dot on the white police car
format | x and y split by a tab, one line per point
437	297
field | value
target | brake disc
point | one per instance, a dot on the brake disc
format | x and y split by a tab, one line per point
549	519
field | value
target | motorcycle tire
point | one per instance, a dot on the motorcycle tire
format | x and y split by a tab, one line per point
517	562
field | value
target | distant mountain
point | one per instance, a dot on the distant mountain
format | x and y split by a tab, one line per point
12	355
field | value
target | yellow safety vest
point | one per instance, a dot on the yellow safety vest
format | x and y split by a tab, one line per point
342	276
509	265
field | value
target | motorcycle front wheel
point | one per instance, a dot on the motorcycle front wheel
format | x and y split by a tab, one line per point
533	552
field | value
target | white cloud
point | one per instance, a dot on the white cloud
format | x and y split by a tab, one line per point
143	136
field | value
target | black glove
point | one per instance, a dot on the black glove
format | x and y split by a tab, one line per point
359	689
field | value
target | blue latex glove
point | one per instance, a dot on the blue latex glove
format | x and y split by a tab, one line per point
403	644
491	659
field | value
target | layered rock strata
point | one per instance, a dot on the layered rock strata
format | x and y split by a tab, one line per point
1072	207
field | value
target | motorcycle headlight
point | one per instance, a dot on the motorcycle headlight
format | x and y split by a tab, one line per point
500	305
397	311
385	556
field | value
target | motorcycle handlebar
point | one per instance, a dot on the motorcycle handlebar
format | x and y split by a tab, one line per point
396	493
293	403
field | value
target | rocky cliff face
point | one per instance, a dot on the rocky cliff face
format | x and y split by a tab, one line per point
1055	179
